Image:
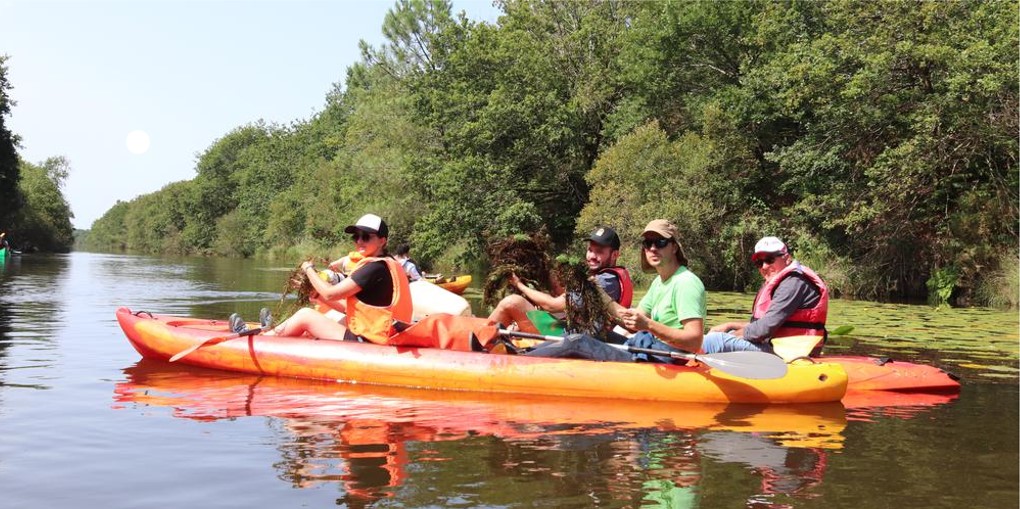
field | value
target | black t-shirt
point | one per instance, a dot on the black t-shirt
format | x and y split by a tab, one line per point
375	282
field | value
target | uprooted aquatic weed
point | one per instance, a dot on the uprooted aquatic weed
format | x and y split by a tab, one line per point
523	255
299	284
586	311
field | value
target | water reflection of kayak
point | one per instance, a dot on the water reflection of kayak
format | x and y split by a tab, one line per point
161	337
866	405
200	394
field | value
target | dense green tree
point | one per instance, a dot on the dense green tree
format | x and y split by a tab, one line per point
44	220
109	232
518	114
9	166
216	184
906	113
879	139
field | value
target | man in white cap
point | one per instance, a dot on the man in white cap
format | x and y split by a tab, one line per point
793	301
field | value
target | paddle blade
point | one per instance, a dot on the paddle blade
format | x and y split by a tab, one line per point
751	365
792	347
188	350
213	341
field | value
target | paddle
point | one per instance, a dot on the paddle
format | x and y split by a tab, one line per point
753	365
793	347
216	340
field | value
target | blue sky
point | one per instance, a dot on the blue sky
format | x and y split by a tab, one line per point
87	73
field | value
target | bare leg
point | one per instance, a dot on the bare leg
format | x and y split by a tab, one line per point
312	322
514	309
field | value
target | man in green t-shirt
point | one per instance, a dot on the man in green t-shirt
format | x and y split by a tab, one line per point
671	316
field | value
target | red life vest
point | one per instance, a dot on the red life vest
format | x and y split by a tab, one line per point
375	323
803	322
626	285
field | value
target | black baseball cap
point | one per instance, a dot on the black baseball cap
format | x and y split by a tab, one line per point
605	236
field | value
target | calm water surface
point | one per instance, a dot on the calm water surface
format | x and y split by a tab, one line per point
85	423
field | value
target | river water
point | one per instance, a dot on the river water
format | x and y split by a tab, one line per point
85	423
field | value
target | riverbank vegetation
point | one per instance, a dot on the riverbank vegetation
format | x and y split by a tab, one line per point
878	138
33	210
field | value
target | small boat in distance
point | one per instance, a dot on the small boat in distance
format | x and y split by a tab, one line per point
455	284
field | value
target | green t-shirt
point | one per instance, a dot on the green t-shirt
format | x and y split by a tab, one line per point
681	297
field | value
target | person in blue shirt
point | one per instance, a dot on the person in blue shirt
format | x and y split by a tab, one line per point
402	256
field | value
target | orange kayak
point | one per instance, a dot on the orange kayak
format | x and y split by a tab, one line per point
456	284
160	337
208	395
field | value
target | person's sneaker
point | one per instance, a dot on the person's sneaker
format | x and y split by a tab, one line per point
237	324
265	318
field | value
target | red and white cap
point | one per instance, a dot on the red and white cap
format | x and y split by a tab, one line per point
769	246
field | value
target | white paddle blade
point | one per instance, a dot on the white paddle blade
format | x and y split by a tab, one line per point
751	365
792	347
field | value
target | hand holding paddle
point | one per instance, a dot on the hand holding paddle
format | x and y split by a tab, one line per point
752	365
216	340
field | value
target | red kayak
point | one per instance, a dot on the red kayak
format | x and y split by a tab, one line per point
871	373
883	374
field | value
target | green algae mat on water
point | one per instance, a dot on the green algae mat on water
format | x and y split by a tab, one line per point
979	344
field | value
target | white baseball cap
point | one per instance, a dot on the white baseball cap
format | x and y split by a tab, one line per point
370	223
767	246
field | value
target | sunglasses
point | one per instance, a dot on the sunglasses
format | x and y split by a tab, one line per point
660	243
362	236
765	260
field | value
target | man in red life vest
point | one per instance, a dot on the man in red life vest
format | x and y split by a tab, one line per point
793	301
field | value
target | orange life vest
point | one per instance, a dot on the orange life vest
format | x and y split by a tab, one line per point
449	332
374	457
803	322
626	284
375	323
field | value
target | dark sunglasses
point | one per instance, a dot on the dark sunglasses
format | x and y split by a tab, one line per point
365	236
761	262
660	243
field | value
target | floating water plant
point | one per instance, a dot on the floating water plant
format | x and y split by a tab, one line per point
527	256
586	311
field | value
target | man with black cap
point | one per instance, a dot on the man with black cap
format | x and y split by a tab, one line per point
793	301
602	253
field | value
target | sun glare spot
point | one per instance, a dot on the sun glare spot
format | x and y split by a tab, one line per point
137	142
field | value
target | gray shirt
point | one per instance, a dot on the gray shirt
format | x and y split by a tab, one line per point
793	293
610	282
